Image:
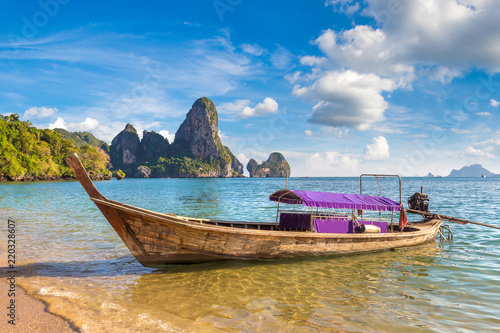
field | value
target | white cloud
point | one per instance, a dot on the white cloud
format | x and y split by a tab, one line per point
39	112
471	151
108	132
313	60
486	149
129	82
483	114
253	49
389	128
233	107
141	126
222	136
308	133
59	123
243	160
347	98
267	106
281	58
337	132
415	32
85	126
293	78
378	149
343	6
167	135
434	40
332	163
443	74
461	131
494	103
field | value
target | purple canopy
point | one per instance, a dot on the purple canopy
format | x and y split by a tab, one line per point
335	200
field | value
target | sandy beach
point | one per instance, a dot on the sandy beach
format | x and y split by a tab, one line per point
31	314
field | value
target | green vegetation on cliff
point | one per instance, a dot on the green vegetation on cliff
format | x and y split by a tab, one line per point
275	166
82	138
186	167
197	150
28	153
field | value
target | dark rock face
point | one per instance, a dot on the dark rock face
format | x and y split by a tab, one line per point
275	166
198	137
125	148
199	131
252	167
235	164
143	172
154	145
197	150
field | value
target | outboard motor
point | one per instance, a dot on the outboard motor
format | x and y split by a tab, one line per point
419	201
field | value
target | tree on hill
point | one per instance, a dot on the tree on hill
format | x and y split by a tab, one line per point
28	153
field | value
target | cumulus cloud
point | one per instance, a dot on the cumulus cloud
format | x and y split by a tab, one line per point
414	32
377	150
332	163
39	112
482	114
494	103
308	133
474	152
59	123
88	125
347	98
233	107
443	74
406	44
269	105
167	135
488	149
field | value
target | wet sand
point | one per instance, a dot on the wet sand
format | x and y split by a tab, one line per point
31	314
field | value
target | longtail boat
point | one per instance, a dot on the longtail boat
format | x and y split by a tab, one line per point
317	224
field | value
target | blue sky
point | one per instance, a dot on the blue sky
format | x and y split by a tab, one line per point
339	87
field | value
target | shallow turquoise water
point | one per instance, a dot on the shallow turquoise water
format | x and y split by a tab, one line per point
69	256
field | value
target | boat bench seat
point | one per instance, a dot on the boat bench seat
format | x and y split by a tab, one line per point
295	221
339	225
336	225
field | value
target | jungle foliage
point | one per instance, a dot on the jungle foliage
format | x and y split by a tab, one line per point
29	153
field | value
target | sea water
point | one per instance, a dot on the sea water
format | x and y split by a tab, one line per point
70	257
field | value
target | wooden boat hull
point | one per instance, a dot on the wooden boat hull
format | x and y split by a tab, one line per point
157	239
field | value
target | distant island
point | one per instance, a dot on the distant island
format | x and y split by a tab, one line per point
275	166
474	170
196	152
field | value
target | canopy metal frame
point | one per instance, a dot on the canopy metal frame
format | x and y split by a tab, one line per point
379	176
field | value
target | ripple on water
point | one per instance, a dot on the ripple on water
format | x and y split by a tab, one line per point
77	264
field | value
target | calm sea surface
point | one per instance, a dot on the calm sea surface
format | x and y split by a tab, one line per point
69	256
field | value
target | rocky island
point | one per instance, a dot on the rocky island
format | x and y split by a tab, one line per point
197	151
275	166
474	170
